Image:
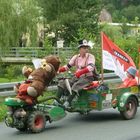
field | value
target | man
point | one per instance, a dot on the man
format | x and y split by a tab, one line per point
85	66
131	79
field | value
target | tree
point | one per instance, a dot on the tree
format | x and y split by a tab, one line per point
66	17
123	9
17	17
131	12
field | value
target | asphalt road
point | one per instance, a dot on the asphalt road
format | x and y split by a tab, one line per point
104	125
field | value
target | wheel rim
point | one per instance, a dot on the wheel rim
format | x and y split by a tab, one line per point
130	108
39	122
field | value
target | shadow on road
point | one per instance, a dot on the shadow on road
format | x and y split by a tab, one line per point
97	116
49	127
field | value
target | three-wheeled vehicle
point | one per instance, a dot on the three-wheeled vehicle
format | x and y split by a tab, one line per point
33	118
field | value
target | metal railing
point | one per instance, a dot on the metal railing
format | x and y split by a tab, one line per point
25	54
33	51
6	89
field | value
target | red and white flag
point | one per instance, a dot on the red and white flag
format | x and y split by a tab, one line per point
114	58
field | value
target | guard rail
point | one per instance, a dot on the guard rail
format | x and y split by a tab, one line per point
6	89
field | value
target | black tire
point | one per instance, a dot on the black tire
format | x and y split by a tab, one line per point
84	112
131	109
22	129
36	122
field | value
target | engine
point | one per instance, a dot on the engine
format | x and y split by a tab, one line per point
15	117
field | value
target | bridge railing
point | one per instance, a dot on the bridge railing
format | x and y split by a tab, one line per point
33	51
17	55
23	52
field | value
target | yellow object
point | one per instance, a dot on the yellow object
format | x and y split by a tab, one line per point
134	89
45	65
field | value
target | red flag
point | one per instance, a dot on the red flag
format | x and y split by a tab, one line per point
114	58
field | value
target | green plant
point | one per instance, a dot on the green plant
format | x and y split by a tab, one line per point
48	46
2	112
18	18
2	109
13	72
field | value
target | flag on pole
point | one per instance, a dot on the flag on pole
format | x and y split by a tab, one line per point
114	58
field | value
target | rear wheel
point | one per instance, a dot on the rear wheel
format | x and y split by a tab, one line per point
36	121
130	108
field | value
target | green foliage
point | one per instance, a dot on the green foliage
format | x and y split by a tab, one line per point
67	17
130	12
115	32
12	71
17	17
84	33
2	111
48	45
130	46
120	9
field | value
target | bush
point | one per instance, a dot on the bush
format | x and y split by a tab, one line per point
2	112
11	72
2	109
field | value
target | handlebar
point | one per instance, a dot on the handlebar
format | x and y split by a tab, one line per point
63	76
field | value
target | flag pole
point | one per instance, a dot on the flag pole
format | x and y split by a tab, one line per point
102	71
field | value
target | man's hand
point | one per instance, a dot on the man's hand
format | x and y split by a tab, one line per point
62	69
81	72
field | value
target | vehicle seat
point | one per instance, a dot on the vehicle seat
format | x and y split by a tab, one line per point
93	84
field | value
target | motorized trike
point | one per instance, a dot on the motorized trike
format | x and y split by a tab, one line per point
33	118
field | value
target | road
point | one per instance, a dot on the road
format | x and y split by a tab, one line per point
104	125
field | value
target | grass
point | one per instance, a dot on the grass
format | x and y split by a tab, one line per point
2	109
5	80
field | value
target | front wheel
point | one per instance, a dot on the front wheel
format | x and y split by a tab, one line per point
36	121
130	109
22	129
